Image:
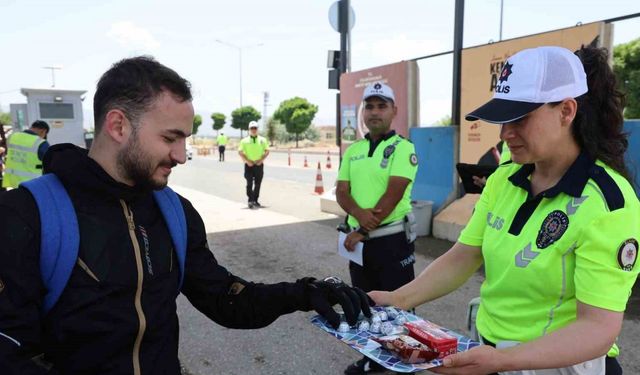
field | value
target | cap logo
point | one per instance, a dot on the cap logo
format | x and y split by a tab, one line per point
377	86
504	77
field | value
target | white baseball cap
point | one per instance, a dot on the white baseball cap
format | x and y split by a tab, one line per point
530	79
380	90
253	124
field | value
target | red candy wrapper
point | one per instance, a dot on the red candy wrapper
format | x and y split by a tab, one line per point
407	348
434	337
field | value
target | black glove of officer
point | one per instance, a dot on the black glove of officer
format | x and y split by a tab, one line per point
322	294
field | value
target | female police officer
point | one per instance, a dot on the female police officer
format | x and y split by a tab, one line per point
557	229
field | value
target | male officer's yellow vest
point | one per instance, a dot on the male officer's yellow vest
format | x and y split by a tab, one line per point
22	159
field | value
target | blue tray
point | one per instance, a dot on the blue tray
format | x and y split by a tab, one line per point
362	342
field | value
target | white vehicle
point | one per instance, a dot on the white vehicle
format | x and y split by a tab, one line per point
189	150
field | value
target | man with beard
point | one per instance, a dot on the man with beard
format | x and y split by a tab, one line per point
374	189
116	314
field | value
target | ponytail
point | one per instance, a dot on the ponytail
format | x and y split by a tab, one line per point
598	125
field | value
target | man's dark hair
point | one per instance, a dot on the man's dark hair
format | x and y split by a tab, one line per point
132	85
39	124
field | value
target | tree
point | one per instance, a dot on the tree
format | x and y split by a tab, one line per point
5	119
219	120
444	121
271	130
296	114
626	66
197	121
241	117
311	134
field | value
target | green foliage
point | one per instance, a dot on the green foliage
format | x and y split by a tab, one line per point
5	118
296	114
197	121
444	121
271	130
311	134
219	120
241	117
626	66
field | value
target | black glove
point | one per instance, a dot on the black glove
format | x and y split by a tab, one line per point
322	294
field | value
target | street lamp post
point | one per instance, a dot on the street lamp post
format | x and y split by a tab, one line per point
239	49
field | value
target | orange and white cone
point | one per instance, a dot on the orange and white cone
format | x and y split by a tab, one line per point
328	160
319	185
289	158
306	165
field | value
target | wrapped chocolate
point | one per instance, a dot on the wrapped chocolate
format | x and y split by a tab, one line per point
363	326
375	318
392	313
407	348
383	315
343	327
375	327
400	320
434	337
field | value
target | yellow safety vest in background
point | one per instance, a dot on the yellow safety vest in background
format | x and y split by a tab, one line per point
22	162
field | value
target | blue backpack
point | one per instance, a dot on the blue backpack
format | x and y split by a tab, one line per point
60	236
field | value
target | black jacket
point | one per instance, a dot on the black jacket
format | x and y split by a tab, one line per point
112	318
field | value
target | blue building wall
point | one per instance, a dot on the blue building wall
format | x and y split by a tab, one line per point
633	152
435	180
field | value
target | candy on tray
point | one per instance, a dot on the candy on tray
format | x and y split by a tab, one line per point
383	315
375	327
363	325
343	327
407	348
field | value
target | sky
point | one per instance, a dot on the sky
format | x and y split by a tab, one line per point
283	43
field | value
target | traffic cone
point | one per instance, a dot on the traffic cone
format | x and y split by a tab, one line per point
328	160
319	185
289	158
306	165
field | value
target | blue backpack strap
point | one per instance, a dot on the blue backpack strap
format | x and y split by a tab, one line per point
176	220
59	235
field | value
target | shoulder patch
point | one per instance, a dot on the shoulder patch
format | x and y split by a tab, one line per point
413	159
628	254
611	191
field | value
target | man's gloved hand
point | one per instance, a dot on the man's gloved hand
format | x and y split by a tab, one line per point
322	294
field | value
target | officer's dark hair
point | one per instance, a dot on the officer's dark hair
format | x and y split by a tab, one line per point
39	124
598	125
132	85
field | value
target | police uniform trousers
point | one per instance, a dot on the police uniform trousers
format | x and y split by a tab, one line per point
253	175
388	263
221	149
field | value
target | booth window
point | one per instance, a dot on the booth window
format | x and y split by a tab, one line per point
63	111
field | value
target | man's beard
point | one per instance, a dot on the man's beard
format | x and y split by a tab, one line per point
136	165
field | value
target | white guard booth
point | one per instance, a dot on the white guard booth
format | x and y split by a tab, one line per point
61	109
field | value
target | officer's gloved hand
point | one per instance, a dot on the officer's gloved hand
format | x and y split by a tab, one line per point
322	294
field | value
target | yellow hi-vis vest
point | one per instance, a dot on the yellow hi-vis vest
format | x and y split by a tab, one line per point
22	162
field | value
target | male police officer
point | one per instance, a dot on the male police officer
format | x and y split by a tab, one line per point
374	188
222	145
24	155
253	150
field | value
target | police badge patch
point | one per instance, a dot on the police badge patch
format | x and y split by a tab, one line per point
627	254
413	159
553	227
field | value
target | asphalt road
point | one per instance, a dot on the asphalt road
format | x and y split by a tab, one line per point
266	251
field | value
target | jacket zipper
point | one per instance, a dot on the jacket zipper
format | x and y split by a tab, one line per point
138	299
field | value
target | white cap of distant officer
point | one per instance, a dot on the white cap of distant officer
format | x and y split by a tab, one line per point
380	90
253	125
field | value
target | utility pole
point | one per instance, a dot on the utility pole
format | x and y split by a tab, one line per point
265	97
53	75
457	61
